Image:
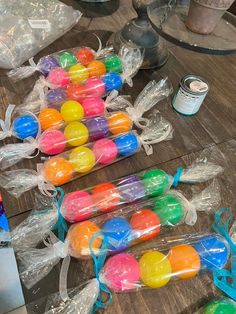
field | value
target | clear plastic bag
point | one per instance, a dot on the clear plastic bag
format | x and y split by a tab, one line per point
74	163
115	232
222	305
47	90
54	140
29	26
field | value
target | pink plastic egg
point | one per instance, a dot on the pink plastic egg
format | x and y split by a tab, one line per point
94	87
105	151
93	106
77	206
121	272
58	77
52	142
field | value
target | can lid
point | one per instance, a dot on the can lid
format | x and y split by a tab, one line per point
198	86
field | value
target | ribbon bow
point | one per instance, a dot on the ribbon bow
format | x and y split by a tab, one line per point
60	225
221	276
44	187
177	176
137	118
98	265
6	125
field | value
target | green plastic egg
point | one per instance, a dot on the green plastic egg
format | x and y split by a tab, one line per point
169	208
222	306
113	64
67	59
156	182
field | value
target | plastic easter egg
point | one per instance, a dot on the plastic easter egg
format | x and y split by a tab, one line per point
76	133
131	188
82	159
78	73
77	206
98	128
46	64
67	59
155	269
75	92
118	232
85	55
184	260
105	196
79	237
25	126
94	86
56	96
113	64
112	81
156	182
57	171
96	68
170	209
50	118
52	142
119	122
145	224
121	272
72	110
58	77
105	151
93	106
222	306
127	144
213	251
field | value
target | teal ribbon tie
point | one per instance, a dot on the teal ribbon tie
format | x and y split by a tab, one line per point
177	176
61	225
99	261
225	279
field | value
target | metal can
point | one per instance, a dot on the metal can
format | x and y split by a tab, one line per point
190	95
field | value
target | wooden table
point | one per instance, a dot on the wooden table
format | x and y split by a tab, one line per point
214	126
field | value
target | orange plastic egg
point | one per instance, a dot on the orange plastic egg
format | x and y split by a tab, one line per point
57	171
79	237
119	122
50	118
184	260
96	68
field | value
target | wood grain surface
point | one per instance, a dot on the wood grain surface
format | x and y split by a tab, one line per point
213	128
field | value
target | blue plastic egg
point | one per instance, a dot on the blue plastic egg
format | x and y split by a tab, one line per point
112	81
127	144
213	252
118	231
25	126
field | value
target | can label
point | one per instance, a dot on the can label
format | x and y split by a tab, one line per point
190	95
186	103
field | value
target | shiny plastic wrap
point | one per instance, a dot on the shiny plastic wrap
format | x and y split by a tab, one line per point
29	26
168	260
74	133
109	196
70	60
80	85
114	232
62	168
223	305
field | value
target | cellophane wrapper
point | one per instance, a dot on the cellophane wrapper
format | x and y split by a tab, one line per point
115	232
18	40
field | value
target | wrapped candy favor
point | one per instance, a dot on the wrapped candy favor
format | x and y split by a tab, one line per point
74	163
109	196
119	230
72	60
79	84
75	133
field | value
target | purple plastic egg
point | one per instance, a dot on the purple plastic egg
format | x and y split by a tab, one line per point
56	96
46	64
131	188
98	128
